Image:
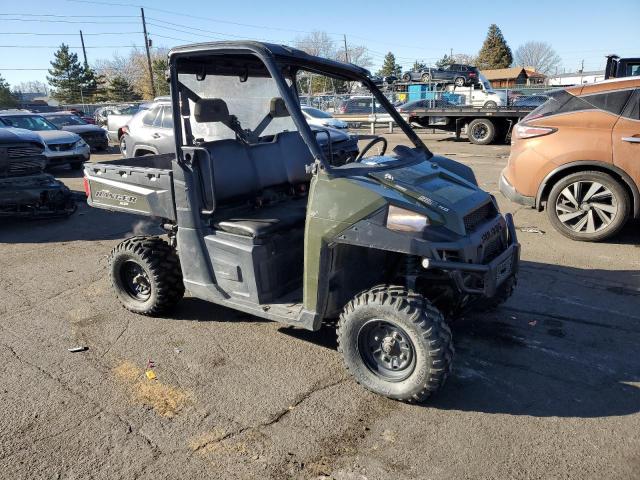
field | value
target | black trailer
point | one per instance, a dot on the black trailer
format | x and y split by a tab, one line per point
483	125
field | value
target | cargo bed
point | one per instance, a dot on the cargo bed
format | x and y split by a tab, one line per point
140	185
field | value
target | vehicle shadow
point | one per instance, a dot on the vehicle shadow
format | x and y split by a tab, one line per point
565	345
191	308
86	224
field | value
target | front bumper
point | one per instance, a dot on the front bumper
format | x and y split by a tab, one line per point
488	277
73	155
35	196
512	194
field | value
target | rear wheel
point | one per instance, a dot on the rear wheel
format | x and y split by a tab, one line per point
481	131
459	82
146	275
123	146
406	77
395	343
588	206
425	77
490	104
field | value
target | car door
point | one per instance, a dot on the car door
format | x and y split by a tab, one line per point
626	138
165	139
148	134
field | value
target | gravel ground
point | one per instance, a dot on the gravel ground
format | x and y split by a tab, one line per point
548	386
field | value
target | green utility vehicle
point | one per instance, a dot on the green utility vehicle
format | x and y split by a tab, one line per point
261	219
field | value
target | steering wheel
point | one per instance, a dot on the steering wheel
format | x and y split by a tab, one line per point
366	149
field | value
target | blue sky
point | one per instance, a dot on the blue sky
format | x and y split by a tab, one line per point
585	30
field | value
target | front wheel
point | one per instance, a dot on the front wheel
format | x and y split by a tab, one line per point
425	77
481	131
588	206
459	82
395	343
406	77
146	275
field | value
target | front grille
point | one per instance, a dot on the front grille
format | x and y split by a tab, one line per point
493	248
21	168
62	147
479	216
24	151
92	137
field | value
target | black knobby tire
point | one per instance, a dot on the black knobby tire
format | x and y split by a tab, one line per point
420	324
158	272
481	131
619	197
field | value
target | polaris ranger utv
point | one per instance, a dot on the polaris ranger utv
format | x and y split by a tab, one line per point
260	220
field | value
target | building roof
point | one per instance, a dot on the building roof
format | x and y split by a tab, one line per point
578	74
510	73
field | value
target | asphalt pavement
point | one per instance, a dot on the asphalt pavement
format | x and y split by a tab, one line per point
547	386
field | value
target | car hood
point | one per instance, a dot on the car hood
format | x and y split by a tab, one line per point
447	196
322	132
13	135
83	129
54	137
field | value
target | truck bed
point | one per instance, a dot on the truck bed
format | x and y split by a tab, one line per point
140	185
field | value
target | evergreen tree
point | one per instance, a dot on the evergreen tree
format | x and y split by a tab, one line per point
7	99
68	77
417	66
159	68
495	53
444	61
120	90
389	66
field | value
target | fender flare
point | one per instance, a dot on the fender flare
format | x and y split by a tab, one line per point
635	193
145	147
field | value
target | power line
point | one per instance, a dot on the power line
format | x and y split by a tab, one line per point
63	16
58	46
41	20
67	34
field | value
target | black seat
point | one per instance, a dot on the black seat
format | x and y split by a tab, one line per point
267	220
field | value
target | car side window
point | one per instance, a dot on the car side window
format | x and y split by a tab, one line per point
167	118
150	117
632	110
612	102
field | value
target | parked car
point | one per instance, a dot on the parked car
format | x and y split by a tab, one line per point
95	136
621	67
61	148
87	118
322	119
577	156
121	116
530	101
150	132
457	74
362	105
25	190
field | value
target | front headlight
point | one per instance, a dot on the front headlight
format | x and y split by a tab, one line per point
80	143
403	220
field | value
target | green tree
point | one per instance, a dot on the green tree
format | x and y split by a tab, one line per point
159	67
68	77
417	66
7	99
389	66
120	90
444	61
495	53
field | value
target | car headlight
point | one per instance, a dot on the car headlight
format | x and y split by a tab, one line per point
80	143
403	220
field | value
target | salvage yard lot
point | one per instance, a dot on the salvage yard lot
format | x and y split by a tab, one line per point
547	386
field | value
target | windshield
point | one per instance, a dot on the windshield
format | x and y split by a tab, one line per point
29	122
315	113
65	120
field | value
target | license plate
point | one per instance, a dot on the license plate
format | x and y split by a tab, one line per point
504	270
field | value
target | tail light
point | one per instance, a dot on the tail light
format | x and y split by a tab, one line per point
526	131
87	187
123	130
472	74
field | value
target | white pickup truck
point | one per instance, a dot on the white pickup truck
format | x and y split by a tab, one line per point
480	94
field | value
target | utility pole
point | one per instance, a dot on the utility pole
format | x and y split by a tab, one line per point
146	45
346	51
451	54
84	51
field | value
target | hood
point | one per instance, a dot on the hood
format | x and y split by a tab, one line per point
334	134
83	129
18	135
54	137
449	197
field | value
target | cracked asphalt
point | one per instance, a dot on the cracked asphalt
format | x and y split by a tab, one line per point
547	386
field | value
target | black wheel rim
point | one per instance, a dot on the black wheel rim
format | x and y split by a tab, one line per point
480	131
135	281
386	350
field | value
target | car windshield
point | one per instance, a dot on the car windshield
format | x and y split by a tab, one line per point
65	120
28	122
315	113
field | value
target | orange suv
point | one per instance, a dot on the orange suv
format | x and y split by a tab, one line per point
578	155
